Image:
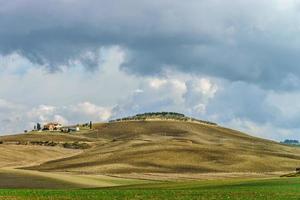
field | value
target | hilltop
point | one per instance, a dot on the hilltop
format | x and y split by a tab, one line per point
162	116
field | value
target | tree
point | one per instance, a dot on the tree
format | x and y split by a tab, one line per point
91	125
38	126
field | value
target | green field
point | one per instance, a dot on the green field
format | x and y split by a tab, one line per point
281	188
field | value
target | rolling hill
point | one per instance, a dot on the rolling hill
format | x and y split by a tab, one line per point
167	143
164	146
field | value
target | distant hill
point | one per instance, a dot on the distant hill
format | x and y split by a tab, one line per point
162	116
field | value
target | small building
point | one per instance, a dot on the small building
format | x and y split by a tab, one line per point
74	128
68	129
52	126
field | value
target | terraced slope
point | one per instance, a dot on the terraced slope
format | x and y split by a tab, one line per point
174	147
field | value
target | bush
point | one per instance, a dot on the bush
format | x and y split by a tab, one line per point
76	145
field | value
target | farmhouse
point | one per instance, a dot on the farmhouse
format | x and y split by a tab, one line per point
52	126
68	129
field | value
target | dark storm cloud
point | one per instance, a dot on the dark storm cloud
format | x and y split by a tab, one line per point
251	41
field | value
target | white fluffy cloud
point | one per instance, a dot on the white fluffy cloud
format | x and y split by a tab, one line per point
42	113
94	112
30	94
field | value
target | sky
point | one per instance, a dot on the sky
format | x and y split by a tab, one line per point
233	62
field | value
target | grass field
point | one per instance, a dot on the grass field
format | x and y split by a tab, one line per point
281	189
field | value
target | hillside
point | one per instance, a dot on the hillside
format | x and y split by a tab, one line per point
26	155
173	147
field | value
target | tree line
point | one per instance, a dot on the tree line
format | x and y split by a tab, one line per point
161	115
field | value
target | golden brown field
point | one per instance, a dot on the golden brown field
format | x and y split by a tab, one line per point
175	147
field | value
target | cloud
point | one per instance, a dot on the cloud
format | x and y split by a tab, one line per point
42	113
174	91
242	100
32	95
96	113
232	62
238	105
264	130
6	106
157	83
10	114
222	39
20	119
199	92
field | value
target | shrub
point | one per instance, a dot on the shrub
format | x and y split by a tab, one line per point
76	145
